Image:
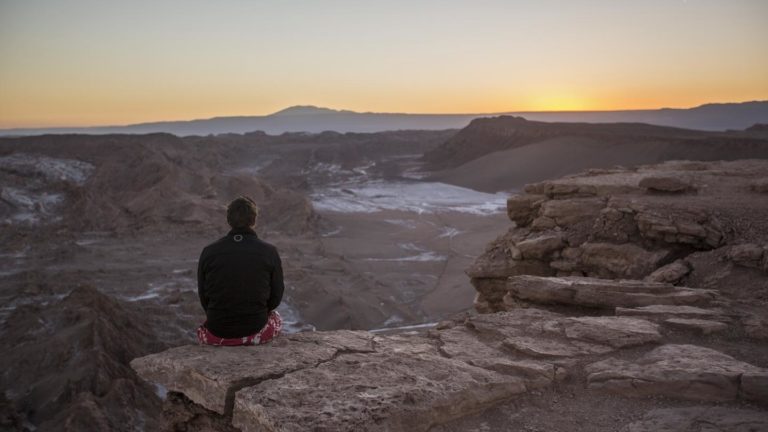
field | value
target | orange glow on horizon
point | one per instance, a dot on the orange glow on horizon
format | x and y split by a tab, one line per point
82	63
185	113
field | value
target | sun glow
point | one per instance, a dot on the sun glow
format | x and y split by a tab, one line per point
83	63
562	102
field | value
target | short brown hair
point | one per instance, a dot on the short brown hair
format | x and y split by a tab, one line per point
242	213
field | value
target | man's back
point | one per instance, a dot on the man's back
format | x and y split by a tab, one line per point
240	279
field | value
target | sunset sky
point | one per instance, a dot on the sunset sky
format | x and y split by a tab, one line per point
98	62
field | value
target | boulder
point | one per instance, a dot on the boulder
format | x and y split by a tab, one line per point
747	255
670	273
668	184
676	371
705	418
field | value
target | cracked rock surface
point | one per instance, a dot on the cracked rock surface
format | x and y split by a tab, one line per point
620	300
701	419
678	371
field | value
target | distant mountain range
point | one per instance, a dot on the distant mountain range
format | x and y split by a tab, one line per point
311	119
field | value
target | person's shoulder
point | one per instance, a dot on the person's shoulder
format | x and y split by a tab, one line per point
269	246
212	247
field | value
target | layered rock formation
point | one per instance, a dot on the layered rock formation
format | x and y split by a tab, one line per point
630	224
609	287
354	380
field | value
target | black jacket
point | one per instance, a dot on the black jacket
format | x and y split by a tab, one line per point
239	280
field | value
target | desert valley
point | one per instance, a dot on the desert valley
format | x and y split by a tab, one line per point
398	233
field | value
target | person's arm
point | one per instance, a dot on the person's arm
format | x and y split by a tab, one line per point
201	282
276	284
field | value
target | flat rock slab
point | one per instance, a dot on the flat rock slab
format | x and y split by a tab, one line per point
542	347
603	293
699	325
459	343
540	247
663	312
617	332
372	392
677	371
539	333
515	322
701	419
210	375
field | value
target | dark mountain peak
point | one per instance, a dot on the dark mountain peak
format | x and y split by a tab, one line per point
306	110
746	104
758	127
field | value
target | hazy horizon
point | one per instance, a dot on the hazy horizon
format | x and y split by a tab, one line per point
344	110
96	63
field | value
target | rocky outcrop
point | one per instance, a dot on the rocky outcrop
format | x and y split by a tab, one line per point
640	223
355	380
680	247
65	364
605	290
347	380
330	381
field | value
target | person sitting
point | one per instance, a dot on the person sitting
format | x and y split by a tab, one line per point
240	283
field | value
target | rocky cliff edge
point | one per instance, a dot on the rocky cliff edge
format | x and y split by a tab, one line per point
644	287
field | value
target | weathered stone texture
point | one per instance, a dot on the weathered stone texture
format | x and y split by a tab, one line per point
602	293
677	371
695	419
207	374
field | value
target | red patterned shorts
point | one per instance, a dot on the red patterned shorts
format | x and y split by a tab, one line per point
270	331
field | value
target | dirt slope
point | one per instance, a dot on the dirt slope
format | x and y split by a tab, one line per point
505	153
